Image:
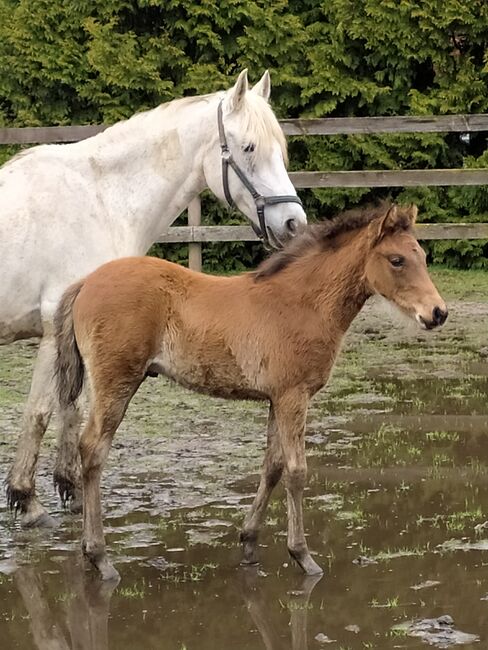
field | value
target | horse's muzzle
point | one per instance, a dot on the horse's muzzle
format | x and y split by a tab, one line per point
439	317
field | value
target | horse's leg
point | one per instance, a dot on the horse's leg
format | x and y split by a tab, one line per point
67	474
290	412
46	632
106	414
21	488
270	475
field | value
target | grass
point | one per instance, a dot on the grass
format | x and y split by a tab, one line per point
459	521
134	591
442	436
461	285
194	574
390	603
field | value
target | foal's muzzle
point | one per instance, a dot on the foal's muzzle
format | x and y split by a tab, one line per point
439	317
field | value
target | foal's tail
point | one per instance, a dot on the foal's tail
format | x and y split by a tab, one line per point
69	366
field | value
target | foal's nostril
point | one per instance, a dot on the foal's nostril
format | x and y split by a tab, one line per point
291	225
439	316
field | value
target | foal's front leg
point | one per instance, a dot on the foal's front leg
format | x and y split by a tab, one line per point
270	475
290	412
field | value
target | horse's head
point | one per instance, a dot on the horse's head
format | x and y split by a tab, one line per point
246	164
396	268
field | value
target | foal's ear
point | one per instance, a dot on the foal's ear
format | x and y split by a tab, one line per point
379	227
395	219
235	95
263	87
412	212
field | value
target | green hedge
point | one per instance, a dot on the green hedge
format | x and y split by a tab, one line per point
76	62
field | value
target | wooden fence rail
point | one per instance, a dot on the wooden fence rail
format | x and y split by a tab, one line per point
319	126
194	234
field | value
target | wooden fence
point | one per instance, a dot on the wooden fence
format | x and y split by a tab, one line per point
195	234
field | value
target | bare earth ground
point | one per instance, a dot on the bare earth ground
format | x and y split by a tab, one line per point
398	497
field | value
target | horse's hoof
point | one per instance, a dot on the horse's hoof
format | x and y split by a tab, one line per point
307	563
76	507
19	500
40	521
67	490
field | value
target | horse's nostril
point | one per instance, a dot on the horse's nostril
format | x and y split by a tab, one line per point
439	315
291	225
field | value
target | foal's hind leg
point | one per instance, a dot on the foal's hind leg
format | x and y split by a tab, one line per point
67	470
270	475
109	404
94	447
290	413
21	488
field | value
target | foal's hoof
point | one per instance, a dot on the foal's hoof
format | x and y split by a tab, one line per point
42	520
307	563
249	561
100	560
108	572
249	541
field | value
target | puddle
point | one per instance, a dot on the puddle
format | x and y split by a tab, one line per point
395	511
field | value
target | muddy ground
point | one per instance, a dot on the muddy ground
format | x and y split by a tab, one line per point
396	509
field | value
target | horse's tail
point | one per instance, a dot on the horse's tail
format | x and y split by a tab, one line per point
69	367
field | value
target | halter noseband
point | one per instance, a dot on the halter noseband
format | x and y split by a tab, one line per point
260	200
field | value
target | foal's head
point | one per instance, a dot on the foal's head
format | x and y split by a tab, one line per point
396	268
258	147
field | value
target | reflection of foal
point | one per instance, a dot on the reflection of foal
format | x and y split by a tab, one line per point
269	335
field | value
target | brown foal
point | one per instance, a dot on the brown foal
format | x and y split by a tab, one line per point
273	335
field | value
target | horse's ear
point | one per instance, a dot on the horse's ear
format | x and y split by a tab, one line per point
236	94
394	219
386	223
263	87
412	213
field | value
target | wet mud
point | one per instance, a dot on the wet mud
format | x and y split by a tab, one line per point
396	512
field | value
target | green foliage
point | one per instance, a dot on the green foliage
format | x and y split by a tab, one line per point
75	62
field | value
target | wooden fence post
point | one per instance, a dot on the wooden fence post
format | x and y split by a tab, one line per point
194	248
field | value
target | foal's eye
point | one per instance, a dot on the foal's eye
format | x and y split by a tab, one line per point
249	148
397	261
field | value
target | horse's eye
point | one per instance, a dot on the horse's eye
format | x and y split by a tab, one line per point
397	261
249	148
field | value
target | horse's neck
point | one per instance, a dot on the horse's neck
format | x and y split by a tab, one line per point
150	167
335	282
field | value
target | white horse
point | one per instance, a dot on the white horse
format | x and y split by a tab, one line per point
67	209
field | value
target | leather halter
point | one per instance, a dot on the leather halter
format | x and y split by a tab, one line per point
260	200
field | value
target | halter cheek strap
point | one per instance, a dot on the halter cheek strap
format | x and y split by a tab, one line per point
260	200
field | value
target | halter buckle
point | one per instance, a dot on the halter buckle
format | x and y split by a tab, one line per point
226	154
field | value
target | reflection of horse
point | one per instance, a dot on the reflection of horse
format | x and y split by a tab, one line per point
66	209
270	335
86	609
258	607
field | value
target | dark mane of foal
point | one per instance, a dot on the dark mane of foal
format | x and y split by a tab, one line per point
321	235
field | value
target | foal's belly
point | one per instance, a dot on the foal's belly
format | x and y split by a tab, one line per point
219	377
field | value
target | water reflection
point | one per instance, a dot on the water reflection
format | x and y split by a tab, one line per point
72	612
297	603
76	618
